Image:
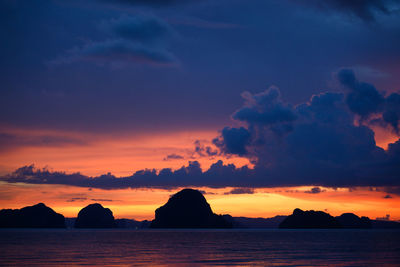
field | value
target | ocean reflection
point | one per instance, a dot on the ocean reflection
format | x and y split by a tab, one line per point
115	247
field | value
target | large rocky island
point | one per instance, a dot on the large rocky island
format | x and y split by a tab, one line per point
188	209
95	216
37	216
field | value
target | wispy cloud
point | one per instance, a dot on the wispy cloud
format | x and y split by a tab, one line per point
366	10
134	39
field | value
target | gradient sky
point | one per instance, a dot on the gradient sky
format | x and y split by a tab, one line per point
265	106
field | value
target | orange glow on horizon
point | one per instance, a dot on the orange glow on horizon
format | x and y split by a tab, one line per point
140	204
119	155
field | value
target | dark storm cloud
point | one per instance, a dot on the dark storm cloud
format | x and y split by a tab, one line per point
322	147
314	190
239	191
364	9
190	175
363	99
391	112
264	108
260	110
366	101
319	144
233	140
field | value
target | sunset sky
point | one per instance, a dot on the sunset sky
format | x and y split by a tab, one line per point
264	106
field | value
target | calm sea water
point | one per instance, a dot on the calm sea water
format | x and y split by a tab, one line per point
199	247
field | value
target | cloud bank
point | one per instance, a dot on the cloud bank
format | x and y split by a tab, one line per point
316	143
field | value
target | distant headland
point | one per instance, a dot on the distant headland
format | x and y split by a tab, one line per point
187	208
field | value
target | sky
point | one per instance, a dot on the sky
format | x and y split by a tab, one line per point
264	106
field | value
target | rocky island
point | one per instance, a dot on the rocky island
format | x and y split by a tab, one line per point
309	219
350	220
36	216
95	216
188	209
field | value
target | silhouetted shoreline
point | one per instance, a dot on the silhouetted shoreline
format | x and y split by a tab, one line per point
186	209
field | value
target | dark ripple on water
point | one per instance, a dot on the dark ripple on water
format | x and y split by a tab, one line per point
48	247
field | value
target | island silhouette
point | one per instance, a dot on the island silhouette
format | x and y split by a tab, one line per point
309	219
187	208
37	216
350	220
95	216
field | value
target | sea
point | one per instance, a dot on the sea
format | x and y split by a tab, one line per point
193	247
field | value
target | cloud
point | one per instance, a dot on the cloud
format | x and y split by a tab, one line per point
101	200
366	101
363	99
317	145
118	51
314	143
367	71
314	190
207	192
233	140
260	111
366	10
140	28
75	199
191	175
388	196
203	150
135	39
239	191
264	108
173	157
391	112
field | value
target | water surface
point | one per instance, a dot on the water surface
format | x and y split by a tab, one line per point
57	247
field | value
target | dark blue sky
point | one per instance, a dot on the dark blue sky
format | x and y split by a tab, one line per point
111	66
